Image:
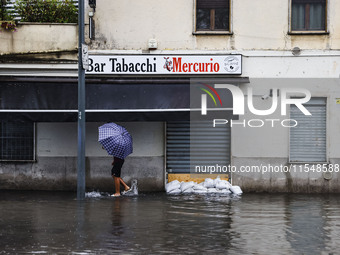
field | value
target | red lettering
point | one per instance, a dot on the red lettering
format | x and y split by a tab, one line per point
195	67
185	66
201	65
216	67
177	64
190	65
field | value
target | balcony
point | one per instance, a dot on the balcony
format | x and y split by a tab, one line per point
39	31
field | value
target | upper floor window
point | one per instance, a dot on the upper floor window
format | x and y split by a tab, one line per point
212	15
308	15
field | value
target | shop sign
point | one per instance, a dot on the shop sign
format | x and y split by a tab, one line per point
165	64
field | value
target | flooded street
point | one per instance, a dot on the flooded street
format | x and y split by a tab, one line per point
56	223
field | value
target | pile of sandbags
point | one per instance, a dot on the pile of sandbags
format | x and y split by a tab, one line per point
209	186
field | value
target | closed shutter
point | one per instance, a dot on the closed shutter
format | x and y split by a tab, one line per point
308	138
197	143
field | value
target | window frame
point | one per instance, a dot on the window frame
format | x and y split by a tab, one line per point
307	32
33	158
212	32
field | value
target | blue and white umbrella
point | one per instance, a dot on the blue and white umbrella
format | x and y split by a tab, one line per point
115	139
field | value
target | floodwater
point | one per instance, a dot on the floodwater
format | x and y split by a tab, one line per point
56	223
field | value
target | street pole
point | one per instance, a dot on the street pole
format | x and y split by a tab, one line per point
81	107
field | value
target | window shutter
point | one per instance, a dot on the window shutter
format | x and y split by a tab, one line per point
212	4
196	143
308	140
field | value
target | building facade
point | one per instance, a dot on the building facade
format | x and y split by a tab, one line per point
281	56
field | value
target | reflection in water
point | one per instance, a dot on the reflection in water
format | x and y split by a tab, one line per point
307	220
80	222
51	222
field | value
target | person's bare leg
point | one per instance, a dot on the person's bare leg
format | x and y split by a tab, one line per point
126	187
117	186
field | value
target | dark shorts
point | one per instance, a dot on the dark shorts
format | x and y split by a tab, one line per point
116	169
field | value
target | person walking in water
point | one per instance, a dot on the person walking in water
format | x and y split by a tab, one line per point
117	165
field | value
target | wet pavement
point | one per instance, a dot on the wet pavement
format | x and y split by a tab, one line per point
56	223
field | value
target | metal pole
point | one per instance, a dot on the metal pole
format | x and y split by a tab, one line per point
81	107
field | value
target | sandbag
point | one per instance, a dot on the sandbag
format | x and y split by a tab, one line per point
225	191
186	185
172	186
175	192
236	190
188	191
200	191
209	183
228	184
223	184
212	190
218	179
199	187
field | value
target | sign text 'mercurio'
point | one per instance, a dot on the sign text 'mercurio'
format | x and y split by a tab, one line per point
196	67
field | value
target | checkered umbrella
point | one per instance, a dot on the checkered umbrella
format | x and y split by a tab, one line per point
115	139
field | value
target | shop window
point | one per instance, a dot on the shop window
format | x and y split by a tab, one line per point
308	140
212	15
308	15
17	141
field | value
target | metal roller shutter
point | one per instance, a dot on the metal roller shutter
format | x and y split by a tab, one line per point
197	143
308	138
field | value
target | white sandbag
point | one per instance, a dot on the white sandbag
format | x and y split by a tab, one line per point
199	187
223	184
200	191
212	190
172	186
187	185
218	179
188	191
175	192
209	183
225	191
236	190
